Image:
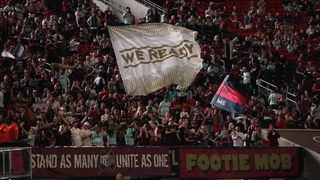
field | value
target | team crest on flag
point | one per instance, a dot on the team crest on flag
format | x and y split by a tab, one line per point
228	98
154	55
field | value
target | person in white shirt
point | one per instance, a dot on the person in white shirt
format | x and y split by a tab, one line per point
76	135
164	106
106	116
86	134
238	137
273	100
99	82
246	77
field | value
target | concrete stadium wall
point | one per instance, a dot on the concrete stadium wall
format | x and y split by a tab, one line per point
311	159
138	10
103	7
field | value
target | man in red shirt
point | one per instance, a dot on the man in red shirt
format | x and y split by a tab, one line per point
12	131
3	130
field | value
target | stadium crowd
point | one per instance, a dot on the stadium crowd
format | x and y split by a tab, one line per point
64	87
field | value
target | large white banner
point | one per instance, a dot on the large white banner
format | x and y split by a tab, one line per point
155	55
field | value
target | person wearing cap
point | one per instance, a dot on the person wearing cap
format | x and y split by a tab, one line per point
86	134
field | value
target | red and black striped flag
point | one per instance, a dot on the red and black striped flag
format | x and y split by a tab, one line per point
228	98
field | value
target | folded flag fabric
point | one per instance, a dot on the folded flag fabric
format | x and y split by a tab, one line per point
21	52
154	55
7	54
228	98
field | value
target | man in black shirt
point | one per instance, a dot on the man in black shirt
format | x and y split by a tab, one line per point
273	137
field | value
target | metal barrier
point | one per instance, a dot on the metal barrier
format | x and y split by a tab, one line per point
290	97
151	4
265	88
223	65
115	5
15	163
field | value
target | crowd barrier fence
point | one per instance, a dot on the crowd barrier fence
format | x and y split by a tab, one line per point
265	88
15	163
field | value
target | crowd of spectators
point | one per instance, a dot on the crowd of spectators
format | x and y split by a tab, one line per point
65	88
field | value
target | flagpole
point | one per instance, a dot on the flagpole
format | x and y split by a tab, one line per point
218	92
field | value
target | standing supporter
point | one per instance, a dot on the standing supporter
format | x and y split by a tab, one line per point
76	134
128	17
246	79
238	137
155	132
129	134
31	137
12	134
143	136
3	130
64	136
86	134
273	136
256	137
97	136
164	106
171	134
112	136
93	23
273	100
281	121
223	137
203	136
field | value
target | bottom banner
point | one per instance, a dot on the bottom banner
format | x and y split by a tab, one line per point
238	163
95	161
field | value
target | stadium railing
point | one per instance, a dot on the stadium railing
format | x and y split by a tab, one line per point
115	5
15	163
265	88
151	4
